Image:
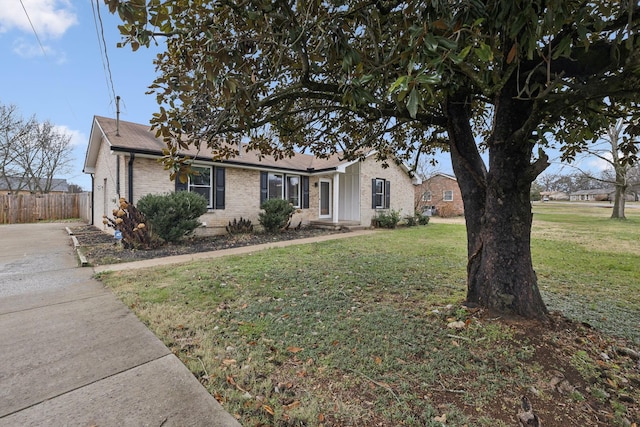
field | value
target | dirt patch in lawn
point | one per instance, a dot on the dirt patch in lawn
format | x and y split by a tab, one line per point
101	248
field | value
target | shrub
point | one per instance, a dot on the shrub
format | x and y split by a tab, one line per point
173	216
446	211
423	219
387	220
131	223
277	214
243	226
412	221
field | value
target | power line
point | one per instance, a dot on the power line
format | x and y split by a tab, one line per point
101	40
33	29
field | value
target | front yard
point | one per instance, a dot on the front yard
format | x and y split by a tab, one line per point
370	331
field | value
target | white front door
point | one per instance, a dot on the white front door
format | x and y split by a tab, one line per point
325	198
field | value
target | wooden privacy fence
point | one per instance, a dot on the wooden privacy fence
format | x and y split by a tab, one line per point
25	208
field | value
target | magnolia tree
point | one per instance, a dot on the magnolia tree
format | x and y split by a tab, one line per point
401	78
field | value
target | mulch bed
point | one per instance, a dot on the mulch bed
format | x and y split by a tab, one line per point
101	248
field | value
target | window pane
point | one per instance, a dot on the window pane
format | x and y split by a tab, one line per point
204	192
448	196
201	177
275	186
293	190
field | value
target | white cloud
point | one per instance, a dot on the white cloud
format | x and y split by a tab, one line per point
50	18
77	138
25	49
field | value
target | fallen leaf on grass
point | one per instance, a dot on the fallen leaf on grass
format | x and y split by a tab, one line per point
295	404
229	362
268	409
378	360
456	325
441	419
294	349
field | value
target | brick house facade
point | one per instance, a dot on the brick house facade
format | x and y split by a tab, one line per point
122	158
439	195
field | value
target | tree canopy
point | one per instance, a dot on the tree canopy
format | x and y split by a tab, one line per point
401	78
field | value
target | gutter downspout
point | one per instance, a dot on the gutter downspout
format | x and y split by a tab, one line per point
93	195
130	178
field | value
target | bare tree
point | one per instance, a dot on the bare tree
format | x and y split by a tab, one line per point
617	149
31	153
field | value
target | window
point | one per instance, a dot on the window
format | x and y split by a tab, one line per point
293	190
447	195
426	196
209	182
201	182
381	193
274	186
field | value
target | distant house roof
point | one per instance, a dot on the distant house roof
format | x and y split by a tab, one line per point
16	183
445	175
139	139
594	191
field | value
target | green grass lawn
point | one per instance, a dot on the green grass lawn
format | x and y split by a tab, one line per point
356	331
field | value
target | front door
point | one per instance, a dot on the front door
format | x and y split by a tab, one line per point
325	198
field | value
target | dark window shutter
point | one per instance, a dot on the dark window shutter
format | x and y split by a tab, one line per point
181	186
373	193
387	194
305	192
219	184
264	182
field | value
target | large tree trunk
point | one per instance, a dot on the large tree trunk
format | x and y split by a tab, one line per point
498	216
619	202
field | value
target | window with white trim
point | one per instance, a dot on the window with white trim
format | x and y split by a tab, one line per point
201	182
379	194
275	188
426	196
293	190
447	195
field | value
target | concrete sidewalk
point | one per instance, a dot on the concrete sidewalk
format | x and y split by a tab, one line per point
71	354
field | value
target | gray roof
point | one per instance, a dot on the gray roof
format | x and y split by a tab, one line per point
17	184
594	191
138	138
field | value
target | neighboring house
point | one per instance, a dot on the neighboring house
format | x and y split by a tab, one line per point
18	185
597	195
554	195
122	158
439	195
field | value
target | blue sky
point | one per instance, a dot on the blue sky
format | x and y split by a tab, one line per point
68	84
61	74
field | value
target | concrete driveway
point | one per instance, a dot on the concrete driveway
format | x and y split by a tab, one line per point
71	354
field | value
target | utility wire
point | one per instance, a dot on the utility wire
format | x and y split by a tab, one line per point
33	29
101	40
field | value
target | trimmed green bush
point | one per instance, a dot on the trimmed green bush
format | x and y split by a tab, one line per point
387	220
276	215
173	216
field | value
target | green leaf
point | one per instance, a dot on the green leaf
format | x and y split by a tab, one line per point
412	103
484	52
400	83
